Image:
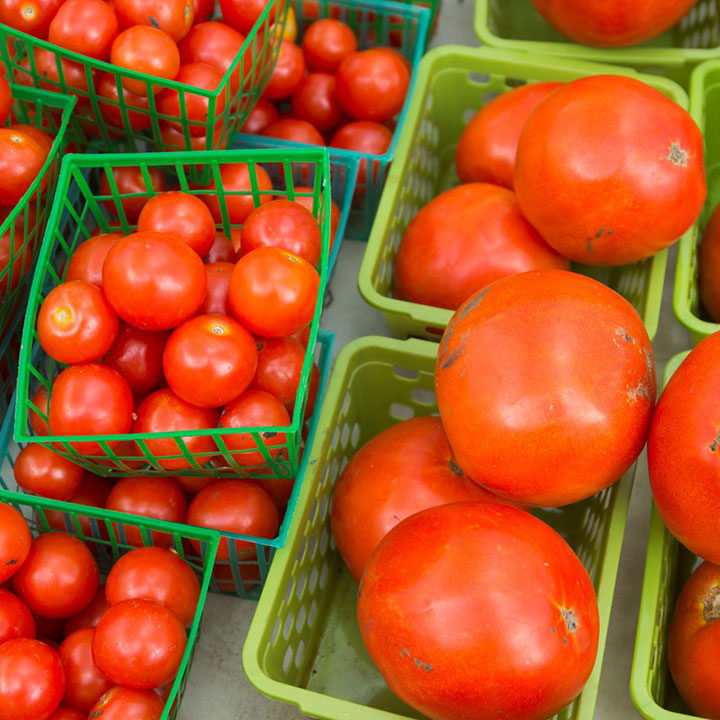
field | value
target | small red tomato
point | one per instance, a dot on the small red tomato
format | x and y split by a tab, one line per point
221	251
107	87
21	159
327	43
174	17
87	27
243	14
16	620
90	616
31	16
261	116
124	704
218	286
363	137
137	355
14	541
130	181
87	260
288	72
294	130
280	364
43	472
94	492
235	178
84	684
314	101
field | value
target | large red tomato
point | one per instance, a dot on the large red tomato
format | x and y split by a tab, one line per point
137	355
43	472
174	17
21	159
600	208
130	181
407	468
684	451
612	23
124	704
87	27
546	384
16	620
446	614
709	265
84	684
279	367
314	101
30	16
218	288
488	145
235	177
14	541
87	260
327	43
243	14
463	240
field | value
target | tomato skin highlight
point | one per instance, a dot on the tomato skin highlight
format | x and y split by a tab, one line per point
41	471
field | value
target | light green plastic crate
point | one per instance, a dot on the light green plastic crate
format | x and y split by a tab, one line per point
304	645
453	83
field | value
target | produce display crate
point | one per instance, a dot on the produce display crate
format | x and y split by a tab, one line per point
668	565
87	213
304	645
704	97
39	63
453	83
396	24
516	25
44	515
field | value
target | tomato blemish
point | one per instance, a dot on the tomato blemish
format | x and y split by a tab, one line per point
715	444
570	619
623	333
676	155
711	605
455	467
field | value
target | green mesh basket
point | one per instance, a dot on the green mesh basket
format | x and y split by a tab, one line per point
102	124
304	645
106	540
516	25
453	83
90	211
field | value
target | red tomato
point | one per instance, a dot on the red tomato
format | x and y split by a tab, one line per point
209	360
253	409
235	177
37	423
600	208
14	541
307	202
130	180
21	159
436	656
363	137
42	138
30	16
12	272
314	101
287	74
463	240
5	100
90	616
66	713
76	323
327	43
488	144
153	280
279	490
43	472
273	292
74	76
31	680
280	364
152	573
218	284
174	140
243	14
261	116
193	485
578	435
87	260
124	704
221	251
237	506
59	577
174	17
84	684
153	497
293	130
163	411
87	27
16	620
94	492
709	266
107	87
137	355
203	10
139	644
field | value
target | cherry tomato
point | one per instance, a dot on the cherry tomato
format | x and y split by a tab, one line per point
137	355
90	616
174	17
87	27
107	87
130	180
31	16
314	101
153	280
153	573
237	506
327	43
59	577
94	492
203	10
84	684
164	411
181	215
363	137
288	72
235	177
221	251
32	682
261	116
14	541
294	130
306	200
66	713
124	704
16	620
21	159
273	292
87	260
218	284
280	364
154	497
243	14
139	644
5	100
43	472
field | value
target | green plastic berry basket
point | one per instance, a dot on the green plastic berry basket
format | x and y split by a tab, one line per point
105	537
102	123
304	645
453	83
281	458
668	565
400	25
516	25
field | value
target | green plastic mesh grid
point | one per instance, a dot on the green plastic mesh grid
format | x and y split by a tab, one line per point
304	645
516	25
281	457
453	83
102	122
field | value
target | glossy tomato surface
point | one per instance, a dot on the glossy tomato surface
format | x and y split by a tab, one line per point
261	116
14	541
243	14
110	88
314	101
280	364
130	181
326	43
363	136
30	16
87	27
218	288
16	620
137	355
124	704
294	130
221	250
94	492
21	158
41	471
88	258
84	684
235	178
90	616
287	74
173	17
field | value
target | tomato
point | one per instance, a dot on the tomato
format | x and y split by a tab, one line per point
273	293
130	180
5	101
532	652
152	573
59	577
137	355
94	492
84	684
488	144
314	101
579	434
74	76
600	208
153	280
193	485
253	409
37	423
30	16
154	497
87	259
174	139
280	364
307	201
709	266
145	50
14	541
66	713
21	159
163	411
87	27
294	130
124	704
237	506
612	23
693	640
261	116
42	138
107	87
174	17
16	620
313	387
31	680
218	284
287	74
139	644
235	177
327	43
43	472
203	10
243	14
363	137
463	240
90	616
12	273
221	251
